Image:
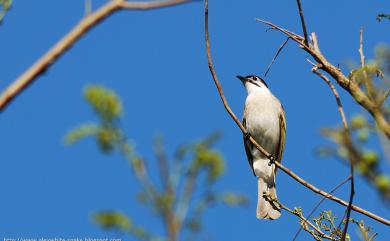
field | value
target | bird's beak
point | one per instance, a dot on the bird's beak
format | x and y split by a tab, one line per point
243	80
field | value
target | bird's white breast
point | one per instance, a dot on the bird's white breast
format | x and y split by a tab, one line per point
262	112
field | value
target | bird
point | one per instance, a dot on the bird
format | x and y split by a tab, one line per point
264	120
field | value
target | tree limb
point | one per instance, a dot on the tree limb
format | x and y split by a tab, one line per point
87	23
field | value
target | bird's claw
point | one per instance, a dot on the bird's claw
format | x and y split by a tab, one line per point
271	160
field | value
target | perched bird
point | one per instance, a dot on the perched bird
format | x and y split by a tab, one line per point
265	122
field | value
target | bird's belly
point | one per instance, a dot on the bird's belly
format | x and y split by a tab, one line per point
264	128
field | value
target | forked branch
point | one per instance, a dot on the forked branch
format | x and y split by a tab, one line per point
350	86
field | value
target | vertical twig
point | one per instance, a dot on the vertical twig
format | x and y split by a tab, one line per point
302	22
163	165
362	62
372	93
348	143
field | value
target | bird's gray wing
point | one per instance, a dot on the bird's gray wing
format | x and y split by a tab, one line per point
248	147
282	137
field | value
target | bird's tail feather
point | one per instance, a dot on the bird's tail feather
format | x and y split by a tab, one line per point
266	207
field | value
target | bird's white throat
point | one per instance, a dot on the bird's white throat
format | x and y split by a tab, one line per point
254	89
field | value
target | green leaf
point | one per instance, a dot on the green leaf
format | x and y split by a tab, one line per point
112	220
5	6
358	121
164	202
212	161
370	157
363	134
382	182
81	132
104	101
234	199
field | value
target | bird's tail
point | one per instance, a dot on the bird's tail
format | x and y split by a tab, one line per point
267	207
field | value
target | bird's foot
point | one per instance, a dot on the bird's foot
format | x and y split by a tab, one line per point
247	135
271	161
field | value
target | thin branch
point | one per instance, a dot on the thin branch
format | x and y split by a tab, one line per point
315	231
149	5
186	194
163	166
87	23
262	150
366	78
351	195
219	87
348	142
302	22
362	62
276	55
307	222
382	101
336	95
319	203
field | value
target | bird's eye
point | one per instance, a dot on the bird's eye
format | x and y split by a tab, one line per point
254	78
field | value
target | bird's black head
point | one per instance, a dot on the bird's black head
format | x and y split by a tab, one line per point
256	80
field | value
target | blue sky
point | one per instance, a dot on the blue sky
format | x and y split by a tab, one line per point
156	61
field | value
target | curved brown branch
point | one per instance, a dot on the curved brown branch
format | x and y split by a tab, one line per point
220	90
88	22
351	87
283	168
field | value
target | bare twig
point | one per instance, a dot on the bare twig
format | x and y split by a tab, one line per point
262	150
383	99
336	95
366	78
319	203
220	90
351	195
302	22
88	22
186	194
149	5
276	55
348	141
362	62
163	166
